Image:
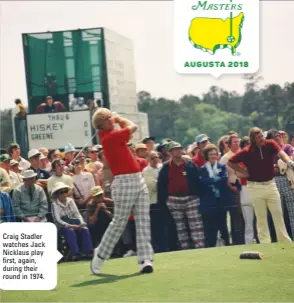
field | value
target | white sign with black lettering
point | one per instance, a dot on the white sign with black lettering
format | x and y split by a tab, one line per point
55	130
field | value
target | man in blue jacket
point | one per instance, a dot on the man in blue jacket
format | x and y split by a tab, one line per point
178	188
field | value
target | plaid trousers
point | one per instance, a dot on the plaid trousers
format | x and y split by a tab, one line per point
182	208
287	198
129	193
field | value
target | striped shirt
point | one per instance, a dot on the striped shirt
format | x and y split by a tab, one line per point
67	209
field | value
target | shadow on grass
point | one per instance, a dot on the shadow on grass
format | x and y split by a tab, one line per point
104	278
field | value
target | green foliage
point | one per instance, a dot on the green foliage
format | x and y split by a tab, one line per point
219	111
215	113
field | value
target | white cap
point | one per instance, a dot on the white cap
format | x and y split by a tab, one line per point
33	153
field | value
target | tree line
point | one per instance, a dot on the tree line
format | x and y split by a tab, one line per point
214	113
218	111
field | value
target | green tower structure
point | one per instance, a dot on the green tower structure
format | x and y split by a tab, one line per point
63	64
95	63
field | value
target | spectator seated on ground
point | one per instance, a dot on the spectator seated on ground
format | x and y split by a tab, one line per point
59	107
69	221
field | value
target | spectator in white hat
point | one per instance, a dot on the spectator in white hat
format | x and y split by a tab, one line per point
70	222
16	178
69	152
42	176
14	166
45	163
4	163
29	199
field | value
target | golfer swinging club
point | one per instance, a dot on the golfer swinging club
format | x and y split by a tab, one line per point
128	189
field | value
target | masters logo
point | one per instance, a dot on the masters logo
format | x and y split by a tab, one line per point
224	35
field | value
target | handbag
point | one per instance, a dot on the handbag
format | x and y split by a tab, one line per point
71	221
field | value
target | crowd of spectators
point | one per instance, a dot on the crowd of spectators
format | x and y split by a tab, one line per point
239	191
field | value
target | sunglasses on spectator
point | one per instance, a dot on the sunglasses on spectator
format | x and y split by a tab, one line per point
62	192
153	158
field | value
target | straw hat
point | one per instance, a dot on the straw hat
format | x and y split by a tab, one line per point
96	191
58	186
141	146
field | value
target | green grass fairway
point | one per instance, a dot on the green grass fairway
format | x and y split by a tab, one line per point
205	275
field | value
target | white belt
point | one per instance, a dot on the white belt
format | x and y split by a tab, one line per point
261	183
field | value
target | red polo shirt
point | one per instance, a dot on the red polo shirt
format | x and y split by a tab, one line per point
177	179
259	161
243	181
142	162
198	159
119	157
